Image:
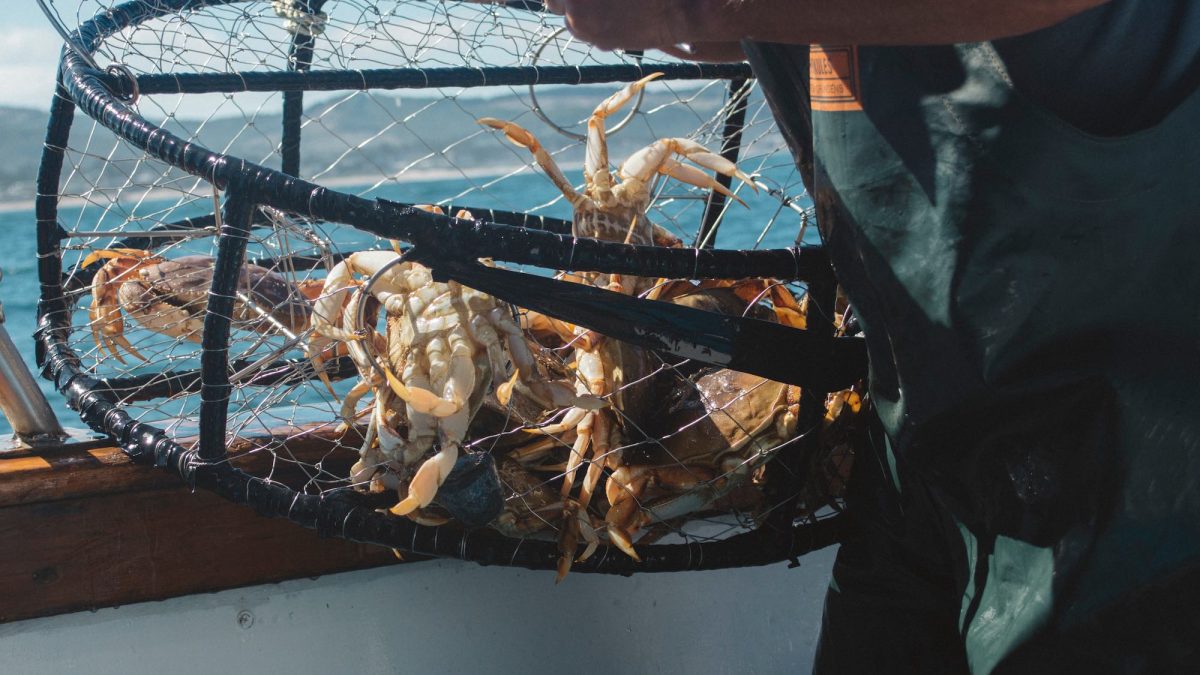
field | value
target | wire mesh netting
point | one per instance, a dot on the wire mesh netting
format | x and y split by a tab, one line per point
346	371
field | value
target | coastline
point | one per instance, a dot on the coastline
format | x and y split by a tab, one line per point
365	182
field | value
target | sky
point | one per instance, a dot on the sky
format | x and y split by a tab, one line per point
30	47
28	54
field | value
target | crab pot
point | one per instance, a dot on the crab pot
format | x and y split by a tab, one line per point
668	386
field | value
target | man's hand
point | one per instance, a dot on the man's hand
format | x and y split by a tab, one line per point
677	27
709	52
629	24
666	24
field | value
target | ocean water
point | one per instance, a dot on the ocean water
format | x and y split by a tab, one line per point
742	228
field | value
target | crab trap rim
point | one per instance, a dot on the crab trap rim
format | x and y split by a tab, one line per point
512	237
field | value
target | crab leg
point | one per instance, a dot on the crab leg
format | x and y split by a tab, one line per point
575	523
624	488
583	438
423	400
108	327
422	428
349	409
455	377
568	539
369	461
452	369
549	394
522	137
328	307
657	158
108	332
593	431
318	347
601	446
368	377
595	163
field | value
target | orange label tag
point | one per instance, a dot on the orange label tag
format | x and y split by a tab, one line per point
833	78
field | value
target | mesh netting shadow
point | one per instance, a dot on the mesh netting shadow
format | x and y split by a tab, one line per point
229	396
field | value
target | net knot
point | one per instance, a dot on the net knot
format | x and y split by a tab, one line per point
298	20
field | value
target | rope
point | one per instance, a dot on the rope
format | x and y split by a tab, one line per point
298	20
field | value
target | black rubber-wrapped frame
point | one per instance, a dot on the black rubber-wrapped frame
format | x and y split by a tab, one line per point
248	186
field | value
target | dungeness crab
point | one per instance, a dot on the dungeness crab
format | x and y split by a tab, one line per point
613	210
445	348
170	297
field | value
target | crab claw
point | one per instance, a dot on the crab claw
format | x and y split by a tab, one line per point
522	137
515	133
712	161
422	400
505	391
116	253
472	492
425	483
568	540
622	540
624	488
693	176
577	524
613	103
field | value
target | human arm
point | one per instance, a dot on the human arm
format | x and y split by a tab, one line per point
663	24
709	52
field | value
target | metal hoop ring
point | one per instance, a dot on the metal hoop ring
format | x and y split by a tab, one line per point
122	70
365	290
537	108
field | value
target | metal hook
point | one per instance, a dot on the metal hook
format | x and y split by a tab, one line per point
116	69
52	16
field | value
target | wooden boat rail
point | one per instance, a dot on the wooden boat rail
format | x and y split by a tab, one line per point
84	527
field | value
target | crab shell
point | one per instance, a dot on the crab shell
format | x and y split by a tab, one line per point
184	283
719	415
532	504
714	433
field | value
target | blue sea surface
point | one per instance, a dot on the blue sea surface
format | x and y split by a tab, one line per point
19	290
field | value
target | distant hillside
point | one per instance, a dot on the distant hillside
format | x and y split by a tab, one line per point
360	136
21	135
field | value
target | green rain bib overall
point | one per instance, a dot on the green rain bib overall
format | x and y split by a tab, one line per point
1030	295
